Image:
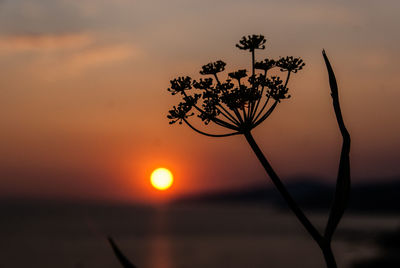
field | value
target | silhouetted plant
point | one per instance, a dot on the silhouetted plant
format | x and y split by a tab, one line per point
239	105
120	256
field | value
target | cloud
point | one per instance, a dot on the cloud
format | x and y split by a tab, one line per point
99	56
43	42
59	55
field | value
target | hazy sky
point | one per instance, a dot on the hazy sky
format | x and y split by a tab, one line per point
83	98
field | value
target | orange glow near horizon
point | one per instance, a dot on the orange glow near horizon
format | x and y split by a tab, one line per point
161	179
83	107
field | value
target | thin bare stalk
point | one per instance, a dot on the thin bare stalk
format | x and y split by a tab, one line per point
282	189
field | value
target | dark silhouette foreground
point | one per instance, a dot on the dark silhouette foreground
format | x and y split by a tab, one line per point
120	256
238	105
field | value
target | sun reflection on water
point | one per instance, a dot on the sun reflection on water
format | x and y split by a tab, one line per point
160	244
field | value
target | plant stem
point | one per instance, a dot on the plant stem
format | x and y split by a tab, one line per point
282	189
343	183
328	256
321	241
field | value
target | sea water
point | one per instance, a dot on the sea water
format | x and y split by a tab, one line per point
50	235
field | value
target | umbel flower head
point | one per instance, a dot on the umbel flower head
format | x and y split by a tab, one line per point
213	68
252	42
239	102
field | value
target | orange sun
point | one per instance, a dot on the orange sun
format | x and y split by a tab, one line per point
161	178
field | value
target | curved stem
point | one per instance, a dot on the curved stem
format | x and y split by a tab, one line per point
287	79
283	191
208	134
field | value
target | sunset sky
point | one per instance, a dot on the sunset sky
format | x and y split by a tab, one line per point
83	99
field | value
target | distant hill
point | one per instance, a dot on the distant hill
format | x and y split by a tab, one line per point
377	197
